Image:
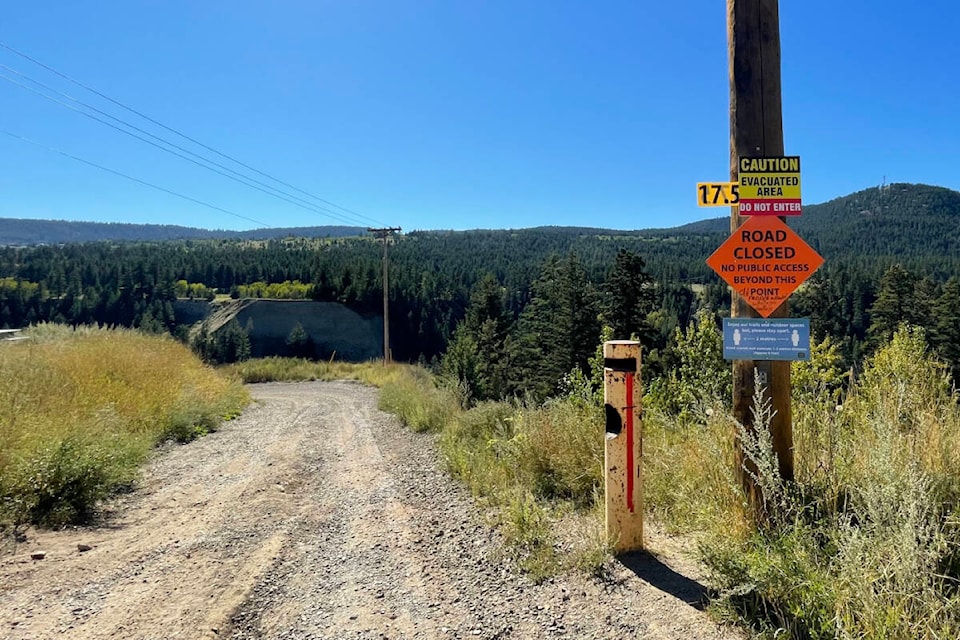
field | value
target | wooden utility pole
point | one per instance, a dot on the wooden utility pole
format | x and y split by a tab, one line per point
384	234
756	129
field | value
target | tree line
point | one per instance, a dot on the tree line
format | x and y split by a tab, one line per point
538	298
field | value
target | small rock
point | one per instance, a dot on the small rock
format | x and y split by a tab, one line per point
83	547
37	555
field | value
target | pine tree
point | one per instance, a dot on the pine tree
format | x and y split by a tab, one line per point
559	328
896	304
630	294
945	335
299	342
480	353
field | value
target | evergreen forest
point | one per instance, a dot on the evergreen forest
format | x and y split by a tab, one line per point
517	312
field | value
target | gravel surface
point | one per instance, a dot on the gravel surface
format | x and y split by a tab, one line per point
314	515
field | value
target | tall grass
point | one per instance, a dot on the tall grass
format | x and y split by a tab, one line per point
276	369
81	408
865	543
540	467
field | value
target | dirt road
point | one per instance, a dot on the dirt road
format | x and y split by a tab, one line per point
314	515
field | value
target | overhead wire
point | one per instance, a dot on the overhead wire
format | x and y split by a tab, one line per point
306	203
183	135
134	179
241	179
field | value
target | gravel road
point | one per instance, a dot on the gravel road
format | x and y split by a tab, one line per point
314	515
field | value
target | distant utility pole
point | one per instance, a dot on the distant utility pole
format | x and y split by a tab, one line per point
385	234
756	129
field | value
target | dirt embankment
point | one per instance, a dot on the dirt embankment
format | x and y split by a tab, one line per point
316	516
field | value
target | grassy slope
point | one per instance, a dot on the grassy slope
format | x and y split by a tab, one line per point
80	410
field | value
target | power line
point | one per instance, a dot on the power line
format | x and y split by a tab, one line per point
385	234
182	135
240	178
129	177
179	155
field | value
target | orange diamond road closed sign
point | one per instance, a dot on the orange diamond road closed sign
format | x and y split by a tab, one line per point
764	261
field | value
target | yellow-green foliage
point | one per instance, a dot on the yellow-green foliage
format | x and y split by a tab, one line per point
291	290
80	410
184	289
865	543
416	399
11	284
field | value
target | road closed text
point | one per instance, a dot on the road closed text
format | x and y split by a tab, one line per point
768	245
764	253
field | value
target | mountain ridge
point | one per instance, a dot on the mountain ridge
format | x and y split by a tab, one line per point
29	231
876	220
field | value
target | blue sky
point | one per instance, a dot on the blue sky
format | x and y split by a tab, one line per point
461	113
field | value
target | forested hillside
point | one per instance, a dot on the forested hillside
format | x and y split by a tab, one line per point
898	222
891	254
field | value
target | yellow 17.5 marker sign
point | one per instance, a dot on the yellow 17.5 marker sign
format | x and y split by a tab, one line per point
717	194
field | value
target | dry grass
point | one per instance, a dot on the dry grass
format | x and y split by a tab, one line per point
540	468
80	410
689	484
276	369
866	542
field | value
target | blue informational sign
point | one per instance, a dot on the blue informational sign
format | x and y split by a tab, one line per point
766	338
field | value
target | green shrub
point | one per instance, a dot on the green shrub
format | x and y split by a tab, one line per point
60	482
701	382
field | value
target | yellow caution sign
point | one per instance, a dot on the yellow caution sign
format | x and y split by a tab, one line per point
770	186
